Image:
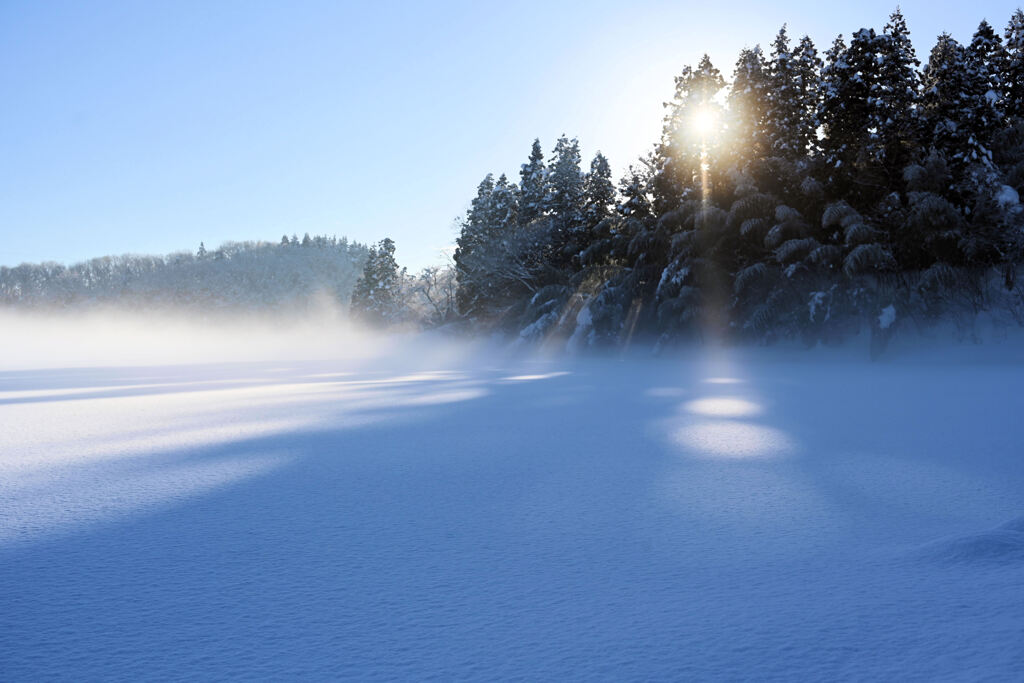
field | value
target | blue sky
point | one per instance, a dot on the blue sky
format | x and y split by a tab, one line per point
149	127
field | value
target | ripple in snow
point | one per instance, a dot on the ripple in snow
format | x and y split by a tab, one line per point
1003	545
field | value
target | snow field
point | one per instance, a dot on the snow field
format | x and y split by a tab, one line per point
712	516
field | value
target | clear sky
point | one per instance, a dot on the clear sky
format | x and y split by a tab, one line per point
148	127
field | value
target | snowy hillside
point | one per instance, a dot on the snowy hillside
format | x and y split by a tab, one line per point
289	277
434	514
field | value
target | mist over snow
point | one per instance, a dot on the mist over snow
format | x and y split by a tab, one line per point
244	498
115	337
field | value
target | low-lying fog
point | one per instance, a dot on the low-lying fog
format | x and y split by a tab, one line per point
267	499
119	338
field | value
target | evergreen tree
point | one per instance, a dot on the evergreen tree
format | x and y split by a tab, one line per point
833	112
846	115
564	181
490	233
747	99
376	298
598	191
533	186
784	102
474	238
946	103
621	274
598	209
895	100
807	84
690	135
635	204
986	62
610	235
1013	69
504	208
565	198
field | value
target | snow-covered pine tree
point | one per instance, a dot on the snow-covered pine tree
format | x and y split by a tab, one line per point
623	272
690	135
894	98
376	298
545	259
747	96
598	191
986	62
607	258
598	208
503	238
593	245
807	70
490	244
868	265
634	192
564	200
473	239
932	230
833	112
564	180
1013	68
950	110
504	206
783	101
533	186
846	118
862	58
987	236
1008	143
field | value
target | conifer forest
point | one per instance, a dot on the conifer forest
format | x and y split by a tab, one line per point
813	196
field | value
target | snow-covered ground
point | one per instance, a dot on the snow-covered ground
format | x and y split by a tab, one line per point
710	516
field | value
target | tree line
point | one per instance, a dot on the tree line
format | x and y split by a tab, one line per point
812	197
291	277
236	277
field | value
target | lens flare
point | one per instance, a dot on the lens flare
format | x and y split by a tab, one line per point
705	121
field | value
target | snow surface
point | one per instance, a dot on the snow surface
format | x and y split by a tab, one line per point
751	516
1007	197
887	317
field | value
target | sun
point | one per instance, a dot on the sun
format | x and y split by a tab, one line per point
705	121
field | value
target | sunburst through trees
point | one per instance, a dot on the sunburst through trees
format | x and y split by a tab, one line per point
806	198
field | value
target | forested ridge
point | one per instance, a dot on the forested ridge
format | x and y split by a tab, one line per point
812	197
238	276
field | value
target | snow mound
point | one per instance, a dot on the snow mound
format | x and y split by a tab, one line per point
1007	197
887	317
1003	545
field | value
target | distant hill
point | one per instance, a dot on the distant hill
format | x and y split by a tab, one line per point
238	276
